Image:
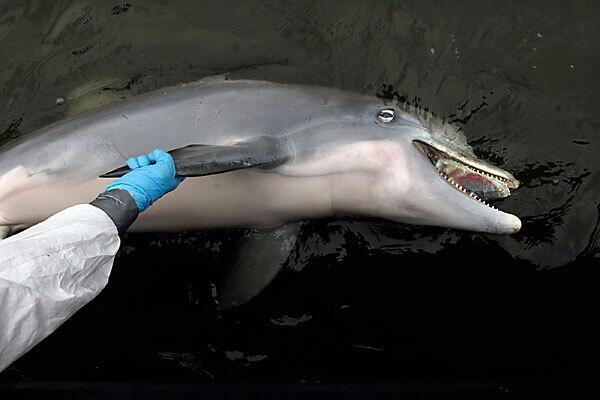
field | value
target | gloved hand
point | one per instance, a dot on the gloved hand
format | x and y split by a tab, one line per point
152	177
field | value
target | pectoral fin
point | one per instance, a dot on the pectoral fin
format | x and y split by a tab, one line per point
262	255
202	160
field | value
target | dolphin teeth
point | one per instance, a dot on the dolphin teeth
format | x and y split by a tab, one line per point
488	174
464	190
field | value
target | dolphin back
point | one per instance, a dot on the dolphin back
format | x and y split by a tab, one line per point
212	111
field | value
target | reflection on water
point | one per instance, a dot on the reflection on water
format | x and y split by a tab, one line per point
519	80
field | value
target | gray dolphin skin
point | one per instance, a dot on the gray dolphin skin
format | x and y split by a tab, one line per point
337	154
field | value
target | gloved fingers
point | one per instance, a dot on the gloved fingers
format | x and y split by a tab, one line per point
137	162
160	156
133	163
163	158
144	160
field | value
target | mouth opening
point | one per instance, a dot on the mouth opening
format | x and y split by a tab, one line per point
467	176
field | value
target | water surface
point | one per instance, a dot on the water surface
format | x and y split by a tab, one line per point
360	300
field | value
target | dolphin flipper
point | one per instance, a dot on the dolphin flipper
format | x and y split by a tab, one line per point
261	257
202	160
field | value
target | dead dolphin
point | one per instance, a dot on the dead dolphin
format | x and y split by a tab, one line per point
310	152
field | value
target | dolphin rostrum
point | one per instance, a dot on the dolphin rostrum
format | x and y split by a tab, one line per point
261	155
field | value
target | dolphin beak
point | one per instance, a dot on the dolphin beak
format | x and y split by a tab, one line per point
464	191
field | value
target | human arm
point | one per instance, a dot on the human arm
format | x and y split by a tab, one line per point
54	268
50	271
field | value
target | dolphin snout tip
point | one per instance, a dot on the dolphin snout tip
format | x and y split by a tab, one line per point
507	226
516	224
513	225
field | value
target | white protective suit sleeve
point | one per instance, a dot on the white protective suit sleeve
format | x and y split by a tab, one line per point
50	271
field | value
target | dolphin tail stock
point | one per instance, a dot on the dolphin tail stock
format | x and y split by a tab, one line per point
9	230
5	231
260	258
202	160
5	226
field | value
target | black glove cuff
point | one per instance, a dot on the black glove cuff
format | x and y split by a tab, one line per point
120	207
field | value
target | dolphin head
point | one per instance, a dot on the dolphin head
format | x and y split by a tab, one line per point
401	163
429	174
447	149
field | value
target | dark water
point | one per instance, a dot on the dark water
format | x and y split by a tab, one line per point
361	300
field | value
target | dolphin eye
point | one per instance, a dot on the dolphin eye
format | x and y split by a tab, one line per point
386	115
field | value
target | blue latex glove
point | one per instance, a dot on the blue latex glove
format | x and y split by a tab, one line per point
152	177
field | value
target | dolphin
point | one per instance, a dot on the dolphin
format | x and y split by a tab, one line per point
263	155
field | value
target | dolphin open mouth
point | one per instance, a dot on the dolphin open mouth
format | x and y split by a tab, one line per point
480	180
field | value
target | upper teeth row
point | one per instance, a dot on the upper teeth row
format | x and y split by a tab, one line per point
487	173
472	168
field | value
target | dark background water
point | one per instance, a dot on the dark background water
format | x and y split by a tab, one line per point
367	301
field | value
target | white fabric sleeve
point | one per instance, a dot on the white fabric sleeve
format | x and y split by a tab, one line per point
50	271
